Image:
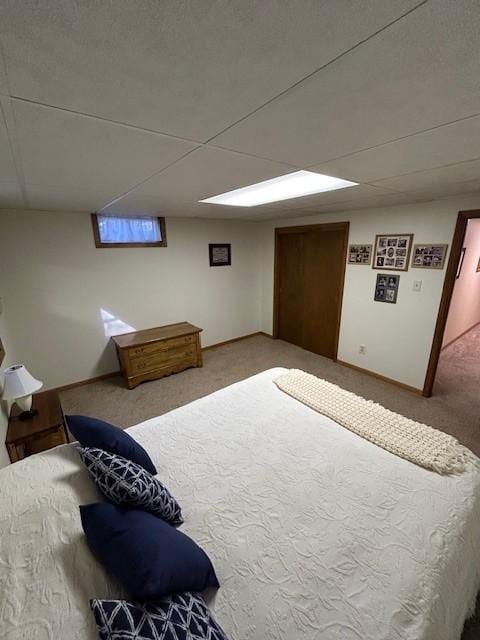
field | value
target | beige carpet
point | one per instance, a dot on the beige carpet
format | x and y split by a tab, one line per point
454	407
458	377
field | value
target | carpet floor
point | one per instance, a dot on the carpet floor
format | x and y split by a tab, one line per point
454	407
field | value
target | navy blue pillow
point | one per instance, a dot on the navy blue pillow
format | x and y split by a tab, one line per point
147	555
183	616
124	482
91	432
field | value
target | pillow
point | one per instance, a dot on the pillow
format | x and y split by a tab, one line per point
147	555
91	432
183	616
125	482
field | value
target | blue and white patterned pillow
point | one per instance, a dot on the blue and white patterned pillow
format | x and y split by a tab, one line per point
183	616
124	482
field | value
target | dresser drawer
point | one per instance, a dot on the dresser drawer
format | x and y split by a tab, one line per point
161	359
162	346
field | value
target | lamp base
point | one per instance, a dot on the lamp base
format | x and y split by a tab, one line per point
27	415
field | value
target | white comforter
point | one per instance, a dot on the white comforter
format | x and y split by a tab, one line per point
314	532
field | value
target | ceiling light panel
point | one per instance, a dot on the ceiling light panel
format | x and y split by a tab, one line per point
292	185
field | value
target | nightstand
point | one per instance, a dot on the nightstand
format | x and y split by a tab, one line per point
45	430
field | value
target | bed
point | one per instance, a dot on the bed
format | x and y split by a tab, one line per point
314	532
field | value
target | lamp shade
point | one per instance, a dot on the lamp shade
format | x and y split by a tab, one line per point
19	383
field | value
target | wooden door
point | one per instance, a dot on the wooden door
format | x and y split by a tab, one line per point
291	283
310	269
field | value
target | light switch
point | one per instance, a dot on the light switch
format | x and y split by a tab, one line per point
417	285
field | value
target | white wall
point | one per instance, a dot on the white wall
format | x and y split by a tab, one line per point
398	337
9	359
57	284
464	312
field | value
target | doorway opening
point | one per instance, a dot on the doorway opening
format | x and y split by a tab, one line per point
309	276
454	365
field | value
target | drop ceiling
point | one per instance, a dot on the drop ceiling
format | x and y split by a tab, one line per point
149	107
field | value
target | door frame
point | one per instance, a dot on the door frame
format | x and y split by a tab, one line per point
447	293
329	226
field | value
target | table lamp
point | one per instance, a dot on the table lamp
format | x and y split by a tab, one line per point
18	386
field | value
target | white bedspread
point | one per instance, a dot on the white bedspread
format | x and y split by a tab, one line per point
315	533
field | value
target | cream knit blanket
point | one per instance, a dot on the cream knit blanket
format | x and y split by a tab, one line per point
406	438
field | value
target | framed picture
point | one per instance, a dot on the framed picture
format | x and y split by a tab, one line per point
386	288
478	265
220	255
392	252
460	262
359	254
429	256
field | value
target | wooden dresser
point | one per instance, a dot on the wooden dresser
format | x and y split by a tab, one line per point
154	353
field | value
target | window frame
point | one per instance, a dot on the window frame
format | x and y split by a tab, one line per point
127	245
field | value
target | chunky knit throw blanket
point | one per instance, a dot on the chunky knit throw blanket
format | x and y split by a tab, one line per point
406	438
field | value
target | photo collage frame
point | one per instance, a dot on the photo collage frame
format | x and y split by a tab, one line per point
392	252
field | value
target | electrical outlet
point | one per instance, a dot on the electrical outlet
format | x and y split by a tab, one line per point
362	349
417	285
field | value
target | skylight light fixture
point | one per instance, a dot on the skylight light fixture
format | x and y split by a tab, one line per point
292	185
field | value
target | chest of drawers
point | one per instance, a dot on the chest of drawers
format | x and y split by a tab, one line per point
153	353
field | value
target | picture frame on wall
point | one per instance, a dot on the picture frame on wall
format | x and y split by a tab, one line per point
392	251
429	256
386	288
360	254
220	255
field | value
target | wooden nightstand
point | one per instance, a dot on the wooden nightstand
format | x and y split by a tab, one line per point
45	430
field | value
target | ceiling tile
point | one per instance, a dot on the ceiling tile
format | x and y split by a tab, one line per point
384	200
3	77
7	165
205	172
64	198
449	144
434	178
134	203
419	73
446	190
11	196
181	67
82	153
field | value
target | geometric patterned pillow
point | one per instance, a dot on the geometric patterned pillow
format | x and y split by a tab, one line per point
183	616
124	482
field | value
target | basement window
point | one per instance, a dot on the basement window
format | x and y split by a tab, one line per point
128	231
